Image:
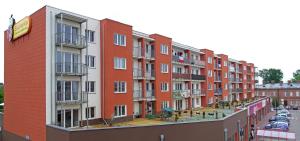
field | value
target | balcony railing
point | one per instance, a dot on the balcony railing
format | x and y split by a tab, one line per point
237	90
137	95
179	94
248	80
218	91
71	97
238	70
218	79
150	95
150	55
137	73
181	76
249	89
218	66
137	52
68	68
150	74
71	40
238	80
232	69
198	77
198	62
198	92
180	59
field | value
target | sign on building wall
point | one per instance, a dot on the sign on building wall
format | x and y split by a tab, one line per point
16	30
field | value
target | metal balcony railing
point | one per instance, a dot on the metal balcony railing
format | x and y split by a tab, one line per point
150	74
137	73
181	76
218	66
177	94
239	80
137	52
198	62
198	77
198	92
237	90
218	91
238	70
180	59
150	95
70	40
137	95
71	97
231	69
218	79
68	68
150	55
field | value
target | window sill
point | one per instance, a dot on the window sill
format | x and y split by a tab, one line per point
120	68
120	92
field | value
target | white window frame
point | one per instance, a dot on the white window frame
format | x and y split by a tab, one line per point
225	63
119	89
118	63
165	104
164	49
90	36
209	60
89	113
118	39
88	85
164	87
164	68
119	109
88	61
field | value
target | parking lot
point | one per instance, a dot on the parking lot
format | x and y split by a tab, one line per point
294	122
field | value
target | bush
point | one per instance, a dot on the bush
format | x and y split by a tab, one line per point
151	116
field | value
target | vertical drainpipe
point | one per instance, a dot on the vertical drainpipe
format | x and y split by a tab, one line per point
103	70
51	45
87	76
225	134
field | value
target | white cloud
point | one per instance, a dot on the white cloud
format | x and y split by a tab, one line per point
265	32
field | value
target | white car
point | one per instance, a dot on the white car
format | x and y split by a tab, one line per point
284	111
282	115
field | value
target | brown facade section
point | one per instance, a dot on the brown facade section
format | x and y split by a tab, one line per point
193	131
24	76
110	51
209	79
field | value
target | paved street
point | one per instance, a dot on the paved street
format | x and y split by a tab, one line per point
294	125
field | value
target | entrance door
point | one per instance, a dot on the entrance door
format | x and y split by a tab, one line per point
68	120
178	104
75	117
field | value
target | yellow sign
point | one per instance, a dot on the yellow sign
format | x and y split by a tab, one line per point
21	28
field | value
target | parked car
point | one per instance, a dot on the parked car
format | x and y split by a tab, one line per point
295	108
282	115
283	111
279	118
281	126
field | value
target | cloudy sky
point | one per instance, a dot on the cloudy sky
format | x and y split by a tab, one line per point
264	32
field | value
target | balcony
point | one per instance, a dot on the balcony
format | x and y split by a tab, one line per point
150	95
238	70
137	52
137	95
150	55
150	75
181	76
249	80
70	40
198	77
218	66
180	59
198	92
137	73
238	80
71	98
249	90
179	94
237	90
218	79
71	69
231	69
198	63
218	91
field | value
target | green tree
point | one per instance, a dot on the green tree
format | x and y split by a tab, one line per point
275	102
269	75
296	76
1	94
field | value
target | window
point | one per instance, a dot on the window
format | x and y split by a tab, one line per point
119	63
297	94
209	86
90	112
225	75
165	104
209	60
90	35
225	63
209	73
164	49
120	87
164	68
226	86
90	86
67	90
291	93
245	77
164	87
285	94
120	111
90	61
245	86
119	39
245	68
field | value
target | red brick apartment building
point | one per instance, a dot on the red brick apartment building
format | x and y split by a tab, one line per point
288	93
62	68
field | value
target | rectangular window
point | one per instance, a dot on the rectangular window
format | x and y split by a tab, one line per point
164	87
120	111
225	63
225	75
209	73
90	86
120	39
164	49
226	86
297	94
165	104
90	35
209	60
90	112
90	61
119	63
164	68
245	68
120	87
209	86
